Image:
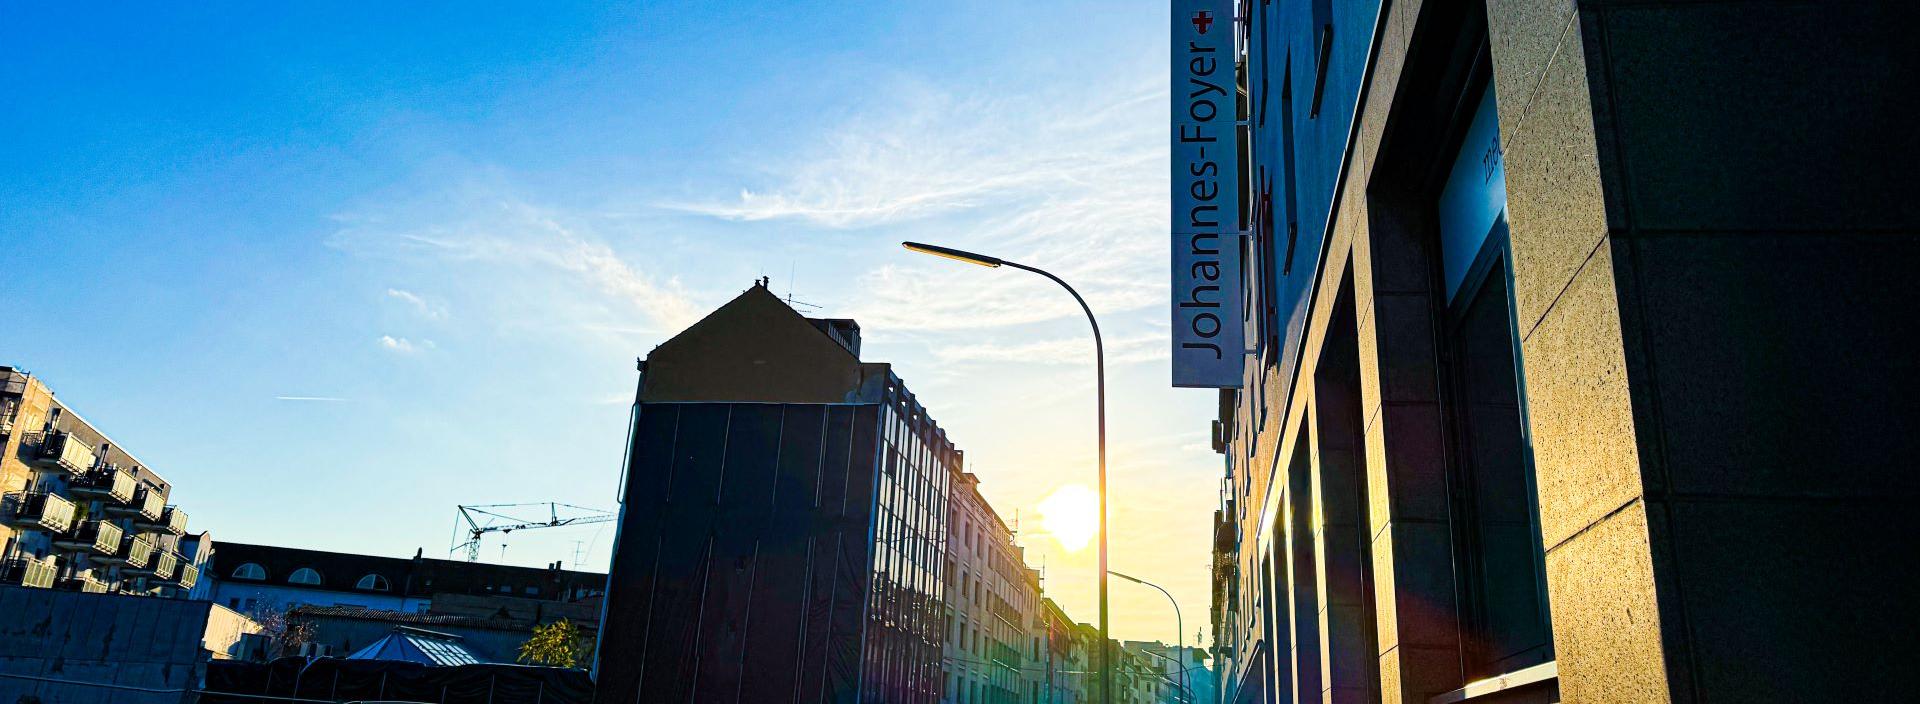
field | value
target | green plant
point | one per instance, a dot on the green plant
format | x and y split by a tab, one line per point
557	644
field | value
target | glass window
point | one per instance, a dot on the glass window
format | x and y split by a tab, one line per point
1474	197
1496	528
304	575
372	582
250	571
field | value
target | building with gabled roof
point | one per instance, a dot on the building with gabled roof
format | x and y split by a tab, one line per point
782	524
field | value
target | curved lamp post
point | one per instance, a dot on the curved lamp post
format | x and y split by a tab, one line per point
1100	379
1180	638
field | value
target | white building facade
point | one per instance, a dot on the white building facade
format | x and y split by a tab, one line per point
993	656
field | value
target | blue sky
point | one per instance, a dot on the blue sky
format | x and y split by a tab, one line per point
459	224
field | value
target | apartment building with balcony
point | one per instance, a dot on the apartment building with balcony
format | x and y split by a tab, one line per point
1059	661
1181	669
1140	676
77	511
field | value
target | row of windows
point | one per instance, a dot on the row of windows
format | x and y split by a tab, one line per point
309	576
974	585
1499	569
903	639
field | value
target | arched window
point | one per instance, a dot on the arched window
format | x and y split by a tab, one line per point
304	575
372	582
250	571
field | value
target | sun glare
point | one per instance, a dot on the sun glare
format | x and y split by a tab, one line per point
1072	516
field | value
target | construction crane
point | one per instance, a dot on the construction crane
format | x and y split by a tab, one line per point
481	519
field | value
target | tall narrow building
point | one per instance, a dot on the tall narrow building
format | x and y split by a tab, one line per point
783	521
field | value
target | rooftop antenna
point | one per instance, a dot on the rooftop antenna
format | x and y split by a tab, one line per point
791	302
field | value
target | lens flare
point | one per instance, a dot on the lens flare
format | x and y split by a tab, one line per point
1072	516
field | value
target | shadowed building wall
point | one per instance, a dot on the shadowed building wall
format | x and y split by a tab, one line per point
782	525
61	647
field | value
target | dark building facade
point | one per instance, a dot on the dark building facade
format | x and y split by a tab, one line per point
256	579
349	601
782	524
1578	366
61	647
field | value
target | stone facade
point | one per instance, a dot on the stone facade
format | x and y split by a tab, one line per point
1708	220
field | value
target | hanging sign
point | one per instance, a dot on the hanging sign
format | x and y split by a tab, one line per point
1208	338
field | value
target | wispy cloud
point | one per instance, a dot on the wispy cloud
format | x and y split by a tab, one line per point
1074	183
315	399
1140	348
926	152
403	345
488	227
419	305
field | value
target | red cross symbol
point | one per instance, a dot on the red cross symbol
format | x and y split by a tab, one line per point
1202	21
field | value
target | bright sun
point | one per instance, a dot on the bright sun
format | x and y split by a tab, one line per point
1072	515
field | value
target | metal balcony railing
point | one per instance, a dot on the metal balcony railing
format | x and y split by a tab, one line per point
84	583
135	552
37	511
107	483
63	451
29	572
9	409
92	537
188	575
146	507
162	566
172	520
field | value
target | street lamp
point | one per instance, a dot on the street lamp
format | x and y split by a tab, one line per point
1180	636
1100	395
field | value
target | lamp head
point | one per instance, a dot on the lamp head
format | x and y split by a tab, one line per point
954	254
